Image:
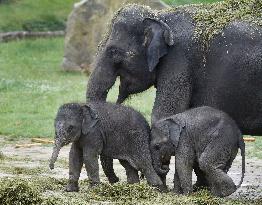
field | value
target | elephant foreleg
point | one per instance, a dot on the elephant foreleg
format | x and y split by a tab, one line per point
184	168
91	165
177	185
107	165
75	166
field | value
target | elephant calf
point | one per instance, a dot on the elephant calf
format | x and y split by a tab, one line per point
203	139
105	129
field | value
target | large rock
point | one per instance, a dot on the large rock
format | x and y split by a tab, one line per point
85	27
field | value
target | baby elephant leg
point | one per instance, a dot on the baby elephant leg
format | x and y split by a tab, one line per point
184	168
177	185
152	178
213	164
201	182
75	166
107	165
131	172
91	165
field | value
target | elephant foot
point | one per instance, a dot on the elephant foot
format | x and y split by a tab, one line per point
72	187
142	176
177	189
200	186
224	190
162	188
113	180
93	184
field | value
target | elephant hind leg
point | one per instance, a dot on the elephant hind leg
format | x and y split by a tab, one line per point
131	172
201	182
220	183
107	165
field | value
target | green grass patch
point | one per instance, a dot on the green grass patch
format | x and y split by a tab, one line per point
254	149
32	86
32	15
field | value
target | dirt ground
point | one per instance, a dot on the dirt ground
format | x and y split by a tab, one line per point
38	156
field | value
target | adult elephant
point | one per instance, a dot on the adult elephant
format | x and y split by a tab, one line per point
146	48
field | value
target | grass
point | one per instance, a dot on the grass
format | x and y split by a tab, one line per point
41	191
34	14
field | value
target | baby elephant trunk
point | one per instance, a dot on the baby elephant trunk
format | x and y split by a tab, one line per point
55	154
158	166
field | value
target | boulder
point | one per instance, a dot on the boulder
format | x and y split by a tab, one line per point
85	27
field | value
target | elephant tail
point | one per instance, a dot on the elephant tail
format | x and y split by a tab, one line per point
241	145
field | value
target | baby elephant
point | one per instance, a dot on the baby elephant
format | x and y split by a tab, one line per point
203	139
111	130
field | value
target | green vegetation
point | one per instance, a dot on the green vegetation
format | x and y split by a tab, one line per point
32	86
182	2
34	15
34	191
18	192
212	18
254	149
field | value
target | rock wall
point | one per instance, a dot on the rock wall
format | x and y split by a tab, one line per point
85	27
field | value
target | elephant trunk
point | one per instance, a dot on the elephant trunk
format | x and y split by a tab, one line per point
56	150
157	164
101	80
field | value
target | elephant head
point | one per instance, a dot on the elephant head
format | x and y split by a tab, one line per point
136	41
164	142
71	122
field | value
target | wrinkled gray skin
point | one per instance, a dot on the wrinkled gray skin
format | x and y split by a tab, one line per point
147	49
101	129
203	138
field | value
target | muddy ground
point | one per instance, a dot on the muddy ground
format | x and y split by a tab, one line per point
36	160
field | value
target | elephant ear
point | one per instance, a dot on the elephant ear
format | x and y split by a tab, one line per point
158	36
175	129
90	119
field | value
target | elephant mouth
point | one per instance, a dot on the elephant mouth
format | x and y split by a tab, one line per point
165	167
163	170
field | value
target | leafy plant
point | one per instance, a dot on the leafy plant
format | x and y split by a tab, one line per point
17	192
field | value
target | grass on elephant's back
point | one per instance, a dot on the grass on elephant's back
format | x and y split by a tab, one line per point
211	19
182	2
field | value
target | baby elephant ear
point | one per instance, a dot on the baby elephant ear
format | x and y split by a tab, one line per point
175	130
90	119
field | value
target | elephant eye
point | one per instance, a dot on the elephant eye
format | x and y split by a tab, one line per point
115	52
157	146
70	128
